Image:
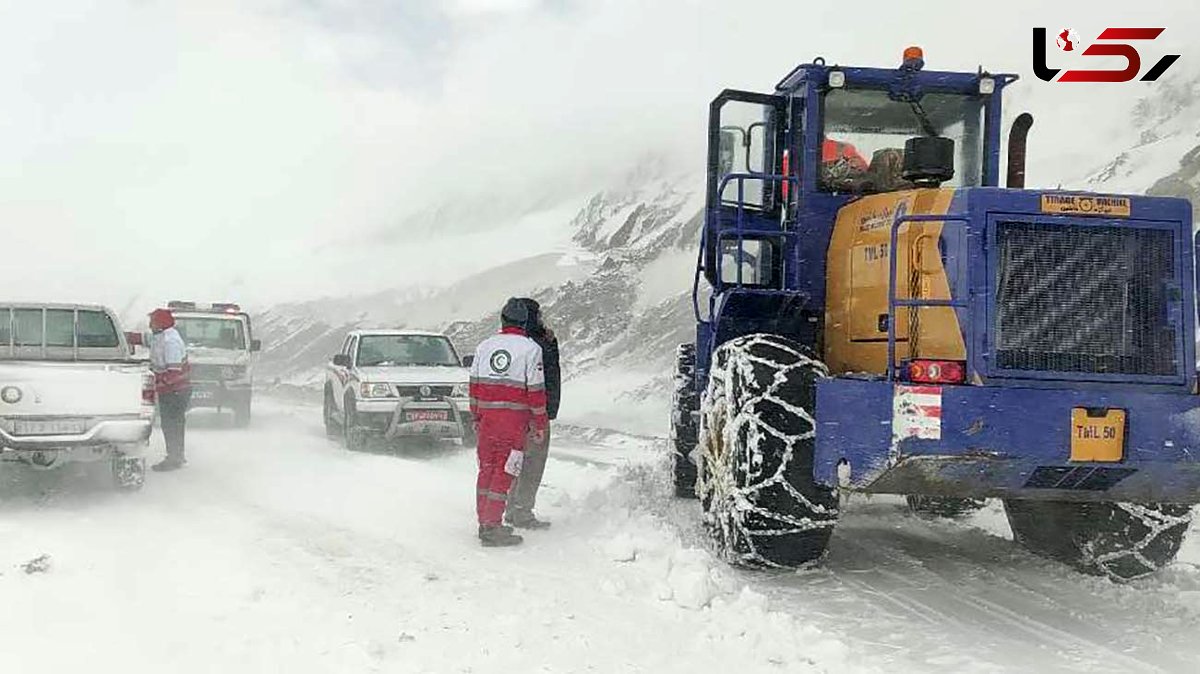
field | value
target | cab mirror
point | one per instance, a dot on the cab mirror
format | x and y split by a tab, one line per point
255	345
341	360
468	360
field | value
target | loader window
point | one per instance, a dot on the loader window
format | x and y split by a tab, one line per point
746	144
758	260
865	131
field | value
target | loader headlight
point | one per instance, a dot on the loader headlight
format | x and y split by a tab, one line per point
987	85
460	391
369	390
837	79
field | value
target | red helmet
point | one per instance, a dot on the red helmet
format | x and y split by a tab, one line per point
161	319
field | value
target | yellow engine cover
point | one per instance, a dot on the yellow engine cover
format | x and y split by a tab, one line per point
857	270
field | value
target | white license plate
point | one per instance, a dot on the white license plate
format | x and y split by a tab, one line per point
50	427
202	395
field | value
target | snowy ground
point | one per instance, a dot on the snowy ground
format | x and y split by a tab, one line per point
278	551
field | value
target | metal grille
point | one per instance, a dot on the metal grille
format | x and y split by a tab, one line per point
1084	299
415	391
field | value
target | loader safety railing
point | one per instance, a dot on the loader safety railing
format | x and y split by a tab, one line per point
916	302
739	229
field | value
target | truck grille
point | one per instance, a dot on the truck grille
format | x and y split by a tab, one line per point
1085	299
415	391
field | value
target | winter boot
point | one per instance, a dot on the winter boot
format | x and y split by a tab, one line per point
528	522
498	537
168	464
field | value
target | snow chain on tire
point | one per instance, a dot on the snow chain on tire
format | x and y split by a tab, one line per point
684	401
757	434
1123	541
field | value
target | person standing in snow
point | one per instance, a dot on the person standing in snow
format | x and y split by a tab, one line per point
508	402
172	385
524	495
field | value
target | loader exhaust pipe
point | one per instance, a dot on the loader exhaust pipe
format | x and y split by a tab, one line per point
1016	150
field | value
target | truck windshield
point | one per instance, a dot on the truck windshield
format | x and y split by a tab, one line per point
865	130
212	333
376	350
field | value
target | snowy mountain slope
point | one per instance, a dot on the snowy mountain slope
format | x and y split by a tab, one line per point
618	296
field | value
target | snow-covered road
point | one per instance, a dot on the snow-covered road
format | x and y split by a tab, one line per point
278	551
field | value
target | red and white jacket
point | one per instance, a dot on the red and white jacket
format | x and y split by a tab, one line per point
508	386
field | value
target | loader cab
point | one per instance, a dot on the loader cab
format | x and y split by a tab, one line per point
782	165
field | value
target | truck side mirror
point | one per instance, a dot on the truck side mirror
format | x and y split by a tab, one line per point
468	360
255	345
341	360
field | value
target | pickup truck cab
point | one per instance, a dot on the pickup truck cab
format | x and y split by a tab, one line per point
221	350
70	390
397	384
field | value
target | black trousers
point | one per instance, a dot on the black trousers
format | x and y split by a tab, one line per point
172	414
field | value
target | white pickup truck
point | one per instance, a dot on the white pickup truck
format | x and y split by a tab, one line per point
221	348
397	384
71	391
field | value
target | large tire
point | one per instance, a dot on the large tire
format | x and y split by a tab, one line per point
242	413
757	434
355	437
941	506
1123	541
329	413
684	431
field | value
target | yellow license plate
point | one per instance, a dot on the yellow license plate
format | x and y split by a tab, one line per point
1080	204
1097	435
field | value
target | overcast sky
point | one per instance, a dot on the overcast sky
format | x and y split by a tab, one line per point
210	149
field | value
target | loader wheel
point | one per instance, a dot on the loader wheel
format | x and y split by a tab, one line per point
684	401
1123	541
757	434
941	506
329	412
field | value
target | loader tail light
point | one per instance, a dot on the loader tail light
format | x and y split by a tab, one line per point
148	397
937	371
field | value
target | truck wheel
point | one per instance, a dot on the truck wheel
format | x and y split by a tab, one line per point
941	506
330	416
241	414
129	473
684	401
1123	541
356	438
757	434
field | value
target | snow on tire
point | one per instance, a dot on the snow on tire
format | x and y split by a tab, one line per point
757	432
684	402
1123	541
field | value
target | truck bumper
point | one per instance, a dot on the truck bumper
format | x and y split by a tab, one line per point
114	431
219	394
443	418
987	441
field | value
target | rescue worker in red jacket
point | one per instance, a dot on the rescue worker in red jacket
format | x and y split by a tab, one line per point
172	385
508	401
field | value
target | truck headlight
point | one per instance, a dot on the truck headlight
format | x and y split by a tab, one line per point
369	390
460	391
